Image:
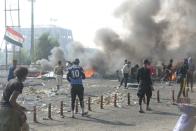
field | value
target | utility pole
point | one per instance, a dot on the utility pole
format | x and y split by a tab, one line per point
32	31
6	25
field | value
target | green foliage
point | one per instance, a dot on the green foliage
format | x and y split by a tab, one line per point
44	45
23	56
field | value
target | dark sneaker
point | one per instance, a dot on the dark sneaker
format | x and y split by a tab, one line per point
85	114
148	109
141	111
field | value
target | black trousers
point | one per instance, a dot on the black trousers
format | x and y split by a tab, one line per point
125	79
182	87
77	90
190	79
144	89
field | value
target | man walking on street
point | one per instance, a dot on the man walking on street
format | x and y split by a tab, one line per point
145	85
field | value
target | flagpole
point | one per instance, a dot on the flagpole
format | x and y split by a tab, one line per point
19	53
6	55
32	31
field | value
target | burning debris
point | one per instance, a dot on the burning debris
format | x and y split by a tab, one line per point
89	73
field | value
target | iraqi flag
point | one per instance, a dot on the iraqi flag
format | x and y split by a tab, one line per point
13	37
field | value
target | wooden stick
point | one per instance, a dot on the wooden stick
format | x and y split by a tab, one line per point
115	100
173	96
49	111
34	114
101	103
158	97
89	103
128	99
61	109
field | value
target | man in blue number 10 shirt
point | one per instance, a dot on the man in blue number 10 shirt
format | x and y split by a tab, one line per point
74	76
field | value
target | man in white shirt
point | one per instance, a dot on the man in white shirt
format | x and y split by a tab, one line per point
58	71
126	70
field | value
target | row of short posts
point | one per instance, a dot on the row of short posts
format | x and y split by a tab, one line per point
89	104
76	108
115	100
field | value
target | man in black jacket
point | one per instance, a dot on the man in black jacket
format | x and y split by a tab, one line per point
145	85
190	75
183	78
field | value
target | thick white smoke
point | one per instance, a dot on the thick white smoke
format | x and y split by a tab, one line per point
57	54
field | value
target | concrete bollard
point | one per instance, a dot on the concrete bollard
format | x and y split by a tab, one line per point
158	97
61	109
128	99
76	109
115	100
34	114
49	111
89	103
101	103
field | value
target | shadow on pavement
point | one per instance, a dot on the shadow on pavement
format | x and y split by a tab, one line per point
97	120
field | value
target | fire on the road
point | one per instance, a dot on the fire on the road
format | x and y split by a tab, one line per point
89	73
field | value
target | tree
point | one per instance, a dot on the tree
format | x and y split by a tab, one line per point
44	45
23	57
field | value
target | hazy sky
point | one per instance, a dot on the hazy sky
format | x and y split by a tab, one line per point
83	17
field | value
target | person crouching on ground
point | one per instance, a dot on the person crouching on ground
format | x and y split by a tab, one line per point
74	76
12	115
58	70
145	85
